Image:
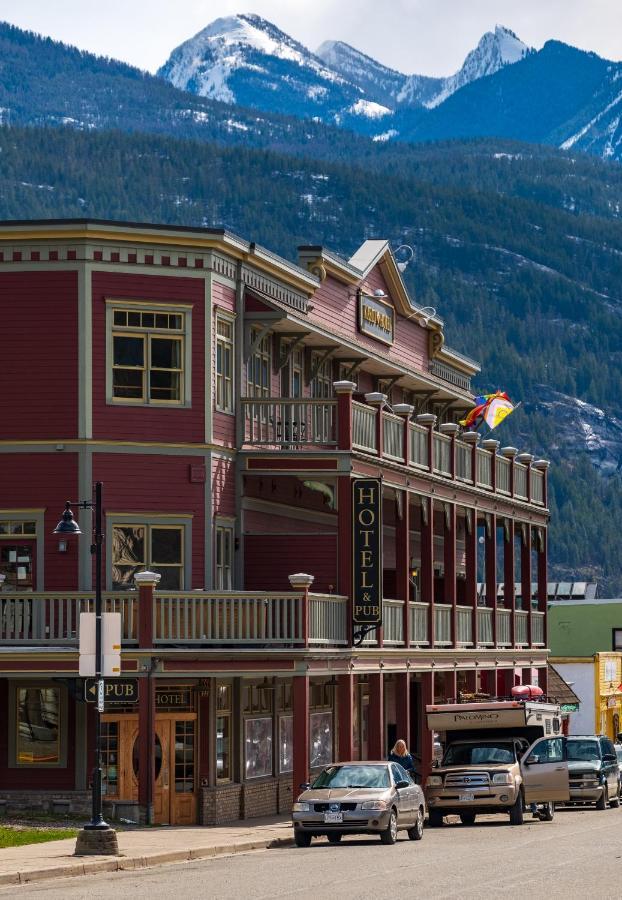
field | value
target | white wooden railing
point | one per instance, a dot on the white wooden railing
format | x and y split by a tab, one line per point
289	422
465	625
418	445
442	454
503	474
537	486
537	629
520	481
328	619
483	468
442	624
484	626
55	618
520	627
364	427
393	622
419	613
504	627
393	436
464	462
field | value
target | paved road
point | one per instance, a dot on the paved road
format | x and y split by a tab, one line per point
578	855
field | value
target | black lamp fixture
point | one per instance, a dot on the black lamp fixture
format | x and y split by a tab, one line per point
97	836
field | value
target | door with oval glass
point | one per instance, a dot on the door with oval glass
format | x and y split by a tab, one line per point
174	800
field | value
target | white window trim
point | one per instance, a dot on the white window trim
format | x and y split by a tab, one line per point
186	375
183	521
229	524
228	317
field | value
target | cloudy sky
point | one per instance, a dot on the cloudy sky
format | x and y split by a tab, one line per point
429	37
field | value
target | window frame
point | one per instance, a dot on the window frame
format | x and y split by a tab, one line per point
262	355
182	523
225	345
227	714
148	334
222	527
13	722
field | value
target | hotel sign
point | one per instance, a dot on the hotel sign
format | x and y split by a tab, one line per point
376	318
367	546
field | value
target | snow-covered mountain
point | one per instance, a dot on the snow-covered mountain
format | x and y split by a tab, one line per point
379	83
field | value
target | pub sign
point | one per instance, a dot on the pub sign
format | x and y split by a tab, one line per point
367	546
376	318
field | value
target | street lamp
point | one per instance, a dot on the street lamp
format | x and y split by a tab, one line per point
97	836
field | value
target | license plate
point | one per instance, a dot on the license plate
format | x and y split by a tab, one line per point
333	818
466	798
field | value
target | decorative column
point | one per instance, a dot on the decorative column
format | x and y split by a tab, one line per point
470	548
511	454
427	563
146	583
492	446
509	592
344	391
472	438
426	737
378	400
525	574
375	725
405	411
451	430
449	567
301	737
542	579
526	459
402	701
303	582
345	712
428	420
491	570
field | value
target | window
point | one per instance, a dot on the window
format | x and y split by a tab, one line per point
224	558
259	367
139	547
110	758
258	747
224	364
617	638
224	769
17	554
38	718
551	750
184	757
321	750
148	353
286	744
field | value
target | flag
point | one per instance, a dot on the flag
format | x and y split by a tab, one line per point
489	408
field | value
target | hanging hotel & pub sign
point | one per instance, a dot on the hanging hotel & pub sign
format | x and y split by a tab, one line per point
367	546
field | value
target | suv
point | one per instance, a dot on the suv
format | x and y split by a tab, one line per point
594	771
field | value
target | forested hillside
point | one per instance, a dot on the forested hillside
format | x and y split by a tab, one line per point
519	249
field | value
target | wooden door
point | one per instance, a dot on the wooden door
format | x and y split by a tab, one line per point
175	795
162	760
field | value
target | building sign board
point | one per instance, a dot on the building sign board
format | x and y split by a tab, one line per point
376	318
367	547
116	690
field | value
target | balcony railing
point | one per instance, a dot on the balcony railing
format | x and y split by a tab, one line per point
290	423
537	629
55	618
520	628
504	627
442	622
484	627
419	624
465	625
393	622
285	423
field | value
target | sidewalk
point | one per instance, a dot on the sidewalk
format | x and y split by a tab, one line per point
142	847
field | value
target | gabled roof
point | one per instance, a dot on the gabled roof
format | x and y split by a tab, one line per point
560	689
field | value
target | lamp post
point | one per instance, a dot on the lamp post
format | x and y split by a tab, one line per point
96	837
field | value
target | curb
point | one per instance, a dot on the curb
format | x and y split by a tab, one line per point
128	863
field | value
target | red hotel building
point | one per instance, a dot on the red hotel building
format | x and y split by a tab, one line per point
228	399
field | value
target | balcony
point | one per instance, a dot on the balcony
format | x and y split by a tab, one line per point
306	424
247	620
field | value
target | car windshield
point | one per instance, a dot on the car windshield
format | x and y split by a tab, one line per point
353	777
583	751
479	754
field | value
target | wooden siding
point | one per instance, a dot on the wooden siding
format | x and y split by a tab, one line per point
39	315
257	522
146	484
148	423
269	560
32	779
45	481
223	297
223	487
336	309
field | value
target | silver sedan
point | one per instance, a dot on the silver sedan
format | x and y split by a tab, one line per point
359	798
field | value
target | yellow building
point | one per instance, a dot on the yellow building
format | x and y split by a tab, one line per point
608	693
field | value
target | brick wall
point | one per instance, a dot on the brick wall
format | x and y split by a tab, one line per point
286	796
260	799
46	801
220	804
227	802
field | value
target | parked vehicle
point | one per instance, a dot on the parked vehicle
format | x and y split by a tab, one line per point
619	756
594	770
359	798
500	756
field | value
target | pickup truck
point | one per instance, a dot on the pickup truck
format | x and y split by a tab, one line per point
500	756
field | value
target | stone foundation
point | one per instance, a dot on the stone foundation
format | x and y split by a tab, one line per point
252	800
220	804
97	842
49	802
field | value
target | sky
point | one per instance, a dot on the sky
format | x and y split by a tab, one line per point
427	37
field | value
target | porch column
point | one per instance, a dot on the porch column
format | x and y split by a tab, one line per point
146	746
378	400
449	566
146	583
345	712
302	582
344	391
427	563
300	704
509	593
426	736
491	570
470	541
344	546
542	579
525	574
402	562
375	725
505	682
402	700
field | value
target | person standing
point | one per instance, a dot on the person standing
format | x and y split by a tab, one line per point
399	754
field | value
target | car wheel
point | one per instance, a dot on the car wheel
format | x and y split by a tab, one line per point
517	812
302	839
615	801
548	812
602	801
334	837
435	818
416	832
467	818
389	835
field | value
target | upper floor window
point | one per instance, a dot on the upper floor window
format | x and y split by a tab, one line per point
155	547
224	364
149	348
322	381
224	558
259	367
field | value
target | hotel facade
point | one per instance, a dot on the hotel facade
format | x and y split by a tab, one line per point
236	407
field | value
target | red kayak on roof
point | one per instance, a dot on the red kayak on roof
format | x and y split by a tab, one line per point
527	691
